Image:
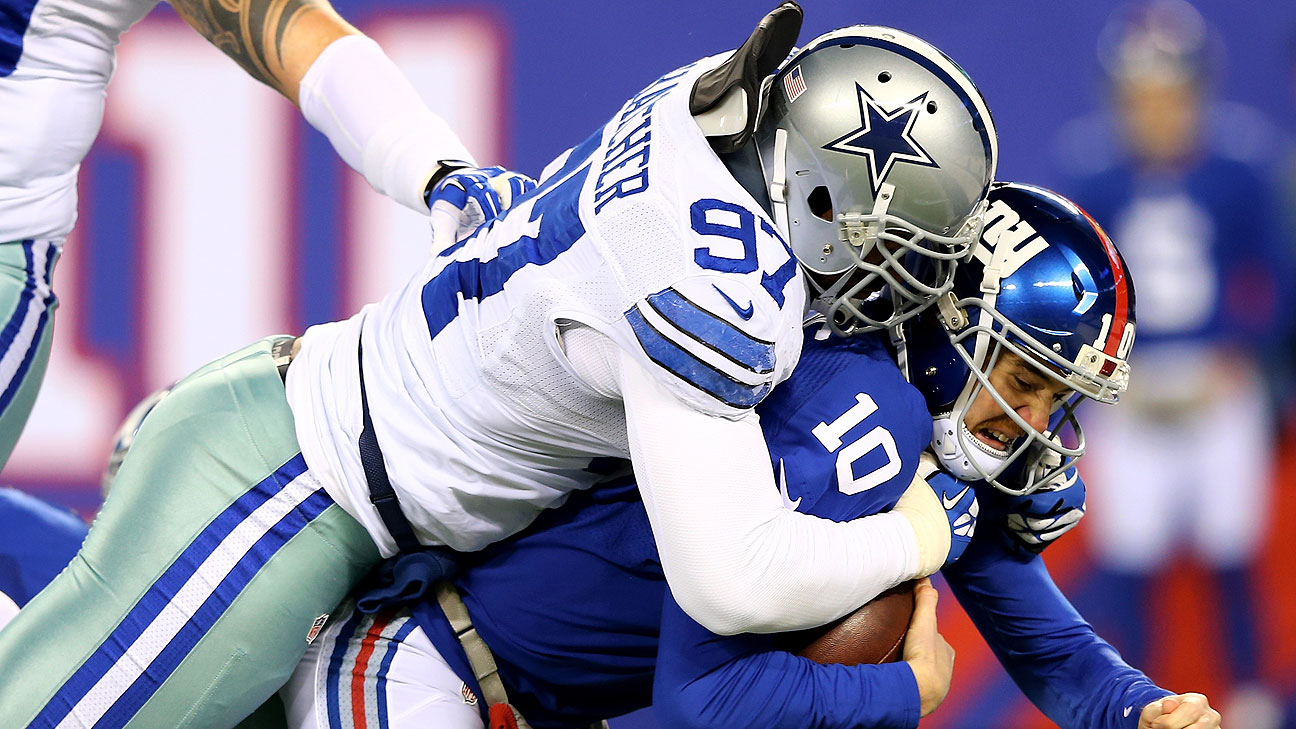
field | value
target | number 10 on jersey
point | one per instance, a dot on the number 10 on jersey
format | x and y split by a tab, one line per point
830	436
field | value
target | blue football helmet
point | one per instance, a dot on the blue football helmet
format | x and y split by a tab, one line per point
1046	284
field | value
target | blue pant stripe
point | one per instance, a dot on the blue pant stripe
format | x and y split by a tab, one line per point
30	356
13	327
336	662
151	604
212	609
393	646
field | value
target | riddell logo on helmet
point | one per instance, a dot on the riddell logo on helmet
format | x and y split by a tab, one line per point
1007	241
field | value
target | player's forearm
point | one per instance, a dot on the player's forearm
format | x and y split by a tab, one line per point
376	121
1050	651
705	681
735	558
345	85
275	41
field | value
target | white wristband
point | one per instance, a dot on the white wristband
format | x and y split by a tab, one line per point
376	121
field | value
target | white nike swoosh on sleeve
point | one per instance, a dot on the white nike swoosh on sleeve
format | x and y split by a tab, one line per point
788	503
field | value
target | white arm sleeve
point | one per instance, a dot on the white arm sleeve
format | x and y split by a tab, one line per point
376	121
736	560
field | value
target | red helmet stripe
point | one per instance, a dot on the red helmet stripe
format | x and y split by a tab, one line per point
1121	315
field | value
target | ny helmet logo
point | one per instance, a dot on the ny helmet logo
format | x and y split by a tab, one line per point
884	137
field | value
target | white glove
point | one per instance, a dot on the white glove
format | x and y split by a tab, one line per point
466	199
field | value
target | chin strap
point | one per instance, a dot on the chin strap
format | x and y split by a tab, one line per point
778	183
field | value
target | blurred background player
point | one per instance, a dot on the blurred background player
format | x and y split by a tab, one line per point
56	58
1182	182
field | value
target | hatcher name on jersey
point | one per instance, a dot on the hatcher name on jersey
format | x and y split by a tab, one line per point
624	171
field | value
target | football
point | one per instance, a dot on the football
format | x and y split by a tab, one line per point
874	633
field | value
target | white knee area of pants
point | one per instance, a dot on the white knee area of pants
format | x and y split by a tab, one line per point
1235	477
1202	482
1137	511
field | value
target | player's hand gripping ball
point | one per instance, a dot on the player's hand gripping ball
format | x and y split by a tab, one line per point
466	199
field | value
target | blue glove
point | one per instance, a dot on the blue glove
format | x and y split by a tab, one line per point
960	503
1035	521
468	198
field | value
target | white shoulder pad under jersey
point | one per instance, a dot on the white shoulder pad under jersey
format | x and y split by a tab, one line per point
56	57
717	299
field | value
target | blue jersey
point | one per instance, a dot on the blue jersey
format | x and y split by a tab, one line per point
582	625
1203	240
37	541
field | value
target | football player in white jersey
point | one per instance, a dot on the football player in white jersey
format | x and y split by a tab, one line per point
640	302
56	57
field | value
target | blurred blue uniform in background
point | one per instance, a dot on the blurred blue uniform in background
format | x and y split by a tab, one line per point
1187	188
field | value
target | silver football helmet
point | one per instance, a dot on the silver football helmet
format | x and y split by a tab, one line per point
877	151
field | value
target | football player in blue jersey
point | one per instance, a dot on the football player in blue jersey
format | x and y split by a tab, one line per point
638	304
572	621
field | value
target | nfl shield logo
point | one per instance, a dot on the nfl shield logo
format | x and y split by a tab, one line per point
469	697
315	628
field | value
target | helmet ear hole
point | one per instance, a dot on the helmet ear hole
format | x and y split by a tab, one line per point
820	203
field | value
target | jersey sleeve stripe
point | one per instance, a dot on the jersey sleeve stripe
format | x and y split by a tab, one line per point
688	367
714	332
701	351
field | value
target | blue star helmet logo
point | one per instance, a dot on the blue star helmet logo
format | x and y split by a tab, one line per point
885	137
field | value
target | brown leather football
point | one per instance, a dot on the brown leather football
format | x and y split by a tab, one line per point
872	634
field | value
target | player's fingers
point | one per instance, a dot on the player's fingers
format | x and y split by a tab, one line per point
1150	713
946	650
922	640
1211	720
445	220
924	614
1186	712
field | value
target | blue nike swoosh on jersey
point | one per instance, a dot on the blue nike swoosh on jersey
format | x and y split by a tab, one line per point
745	313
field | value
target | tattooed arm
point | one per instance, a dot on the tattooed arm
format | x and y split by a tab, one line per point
275	41
344	84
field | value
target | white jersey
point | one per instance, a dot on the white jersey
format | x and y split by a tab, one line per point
55	61
639	233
